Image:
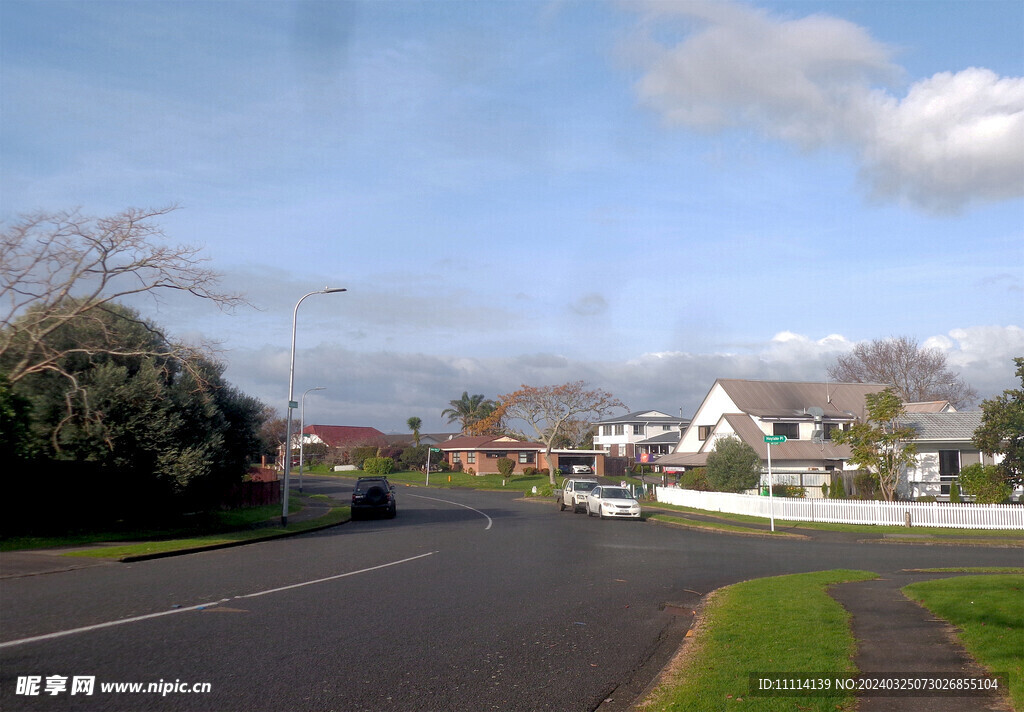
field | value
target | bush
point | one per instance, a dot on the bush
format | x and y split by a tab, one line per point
838	490
824	490
457	467
506	466
985	483
733	466
542	491
954	493
926	498
360	454
695	479
470	471
378	465
866	484
529	471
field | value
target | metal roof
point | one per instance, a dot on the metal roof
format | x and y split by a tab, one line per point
944	426
786	399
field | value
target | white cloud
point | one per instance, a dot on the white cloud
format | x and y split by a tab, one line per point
955	138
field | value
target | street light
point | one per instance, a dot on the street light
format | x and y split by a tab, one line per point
292	404
302	427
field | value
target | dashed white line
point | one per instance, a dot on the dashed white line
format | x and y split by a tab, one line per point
148	616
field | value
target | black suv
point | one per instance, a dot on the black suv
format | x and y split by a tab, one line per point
373	494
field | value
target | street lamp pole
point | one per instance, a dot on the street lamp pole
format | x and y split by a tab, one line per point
292	404
302	427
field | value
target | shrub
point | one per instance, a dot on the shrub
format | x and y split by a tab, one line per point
985	483
954	493
926	498
378	465
359	455
695	479
824	490
470	471
530	471
457	467
544	490
733	466
838	490
866	484
506	465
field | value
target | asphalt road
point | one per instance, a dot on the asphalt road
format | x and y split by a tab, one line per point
466	601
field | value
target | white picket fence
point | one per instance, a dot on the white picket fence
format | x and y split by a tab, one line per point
843	511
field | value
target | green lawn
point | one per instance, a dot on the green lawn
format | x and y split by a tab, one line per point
989	613
519	483
784	624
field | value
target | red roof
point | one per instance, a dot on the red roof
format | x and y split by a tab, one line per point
346	435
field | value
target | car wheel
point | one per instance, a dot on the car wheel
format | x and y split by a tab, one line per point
561	505
392	513
589	513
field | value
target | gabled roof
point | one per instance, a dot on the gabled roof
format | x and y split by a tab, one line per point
670	437
940	406
787	399
346	435
944	426
488	442
644	416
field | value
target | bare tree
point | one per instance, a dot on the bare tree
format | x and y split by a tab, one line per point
550	410
61	269
918	374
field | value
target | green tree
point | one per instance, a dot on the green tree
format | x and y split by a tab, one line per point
881	443
733	466
506	466
414	458
414	424
985	482
469	410
1002	429
15	420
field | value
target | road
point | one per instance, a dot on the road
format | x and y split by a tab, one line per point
466	601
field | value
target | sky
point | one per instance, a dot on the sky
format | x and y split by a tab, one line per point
643	195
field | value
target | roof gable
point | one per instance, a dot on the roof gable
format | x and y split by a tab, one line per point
781	399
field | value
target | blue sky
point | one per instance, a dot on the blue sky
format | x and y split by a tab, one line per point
645	195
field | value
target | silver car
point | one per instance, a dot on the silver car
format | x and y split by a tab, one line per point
612	502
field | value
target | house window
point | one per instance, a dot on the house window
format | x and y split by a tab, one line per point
456	457
620	429
666	428
470	458
828	428
949	468
790	430
704	431
606	430
526	458
638	429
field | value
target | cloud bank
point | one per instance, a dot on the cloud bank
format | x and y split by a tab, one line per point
952	140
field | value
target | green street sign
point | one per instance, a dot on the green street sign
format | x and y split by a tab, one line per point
774	439
435	449
293	404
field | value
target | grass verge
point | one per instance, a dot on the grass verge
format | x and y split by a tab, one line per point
681	521
937	532
989	613
781	624
519	483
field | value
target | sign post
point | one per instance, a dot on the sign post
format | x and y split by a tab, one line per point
430	450
769	439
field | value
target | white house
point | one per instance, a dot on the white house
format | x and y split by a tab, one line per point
944	447
620	436
805	413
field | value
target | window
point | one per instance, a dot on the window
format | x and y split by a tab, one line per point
790	430
638	429
620	429
526	458
704	431
666	427
456	457
470	457
606	430
949	468
829	427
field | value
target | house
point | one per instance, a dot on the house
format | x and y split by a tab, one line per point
805	413
944	447
644	432
405	440
343	437
481	453
941	406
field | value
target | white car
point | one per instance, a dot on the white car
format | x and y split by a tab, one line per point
574	494
581	469
612	502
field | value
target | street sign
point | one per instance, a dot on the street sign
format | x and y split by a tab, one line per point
293	404
435	449
774	439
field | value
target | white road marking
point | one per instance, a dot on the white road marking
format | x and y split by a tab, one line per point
458	504
148	616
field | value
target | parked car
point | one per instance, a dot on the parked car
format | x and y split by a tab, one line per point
574	493
612	502
581	470
373	495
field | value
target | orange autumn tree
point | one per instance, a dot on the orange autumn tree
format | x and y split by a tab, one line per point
549	410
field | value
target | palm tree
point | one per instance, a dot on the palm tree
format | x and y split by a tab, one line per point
415	424
468	409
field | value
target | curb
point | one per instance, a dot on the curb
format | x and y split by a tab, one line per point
225	545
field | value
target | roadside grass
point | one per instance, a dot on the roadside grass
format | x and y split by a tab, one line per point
718	526
938	532
989	613
518	483
224	523
146	548
783	624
